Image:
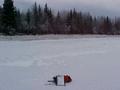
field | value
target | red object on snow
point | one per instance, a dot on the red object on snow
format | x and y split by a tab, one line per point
67	79
61	80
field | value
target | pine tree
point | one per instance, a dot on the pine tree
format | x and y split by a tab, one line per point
69	18
35	15
58	19
58	24
46	9
28	17
9	17
40	14
50	16
0	19
106	26
58	16
18	21
0	10
117	26
28	21
89	24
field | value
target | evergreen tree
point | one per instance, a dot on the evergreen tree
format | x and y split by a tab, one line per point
40	14
89	24
0	19
9	17
28	21
35	15
40	20
0	12
69	18
58	16
28	17
106	26
48	13
50	16
46	9
59	24
117	26
18	21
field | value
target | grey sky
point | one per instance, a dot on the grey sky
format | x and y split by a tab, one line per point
95	7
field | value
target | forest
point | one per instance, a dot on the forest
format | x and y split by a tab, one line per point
40	20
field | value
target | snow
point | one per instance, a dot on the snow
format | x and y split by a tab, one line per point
93	63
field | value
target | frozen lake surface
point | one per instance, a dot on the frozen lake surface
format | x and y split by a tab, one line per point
93	63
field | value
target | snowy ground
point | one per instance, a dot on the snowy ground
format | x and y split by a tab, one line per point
93	63
50	37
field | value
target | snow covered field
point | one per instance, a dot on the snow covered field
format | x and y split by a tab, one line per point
93	63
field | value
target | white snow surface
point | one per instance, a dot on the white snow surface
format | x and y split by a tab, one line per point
93	63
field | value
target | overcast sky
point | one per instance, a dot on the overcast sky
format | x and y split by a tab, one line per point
95	7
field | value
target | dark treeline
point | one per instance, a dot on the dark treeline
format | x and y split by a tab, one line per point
42	20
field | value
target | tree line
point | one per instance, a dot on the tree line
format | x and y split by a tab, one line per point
42	20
